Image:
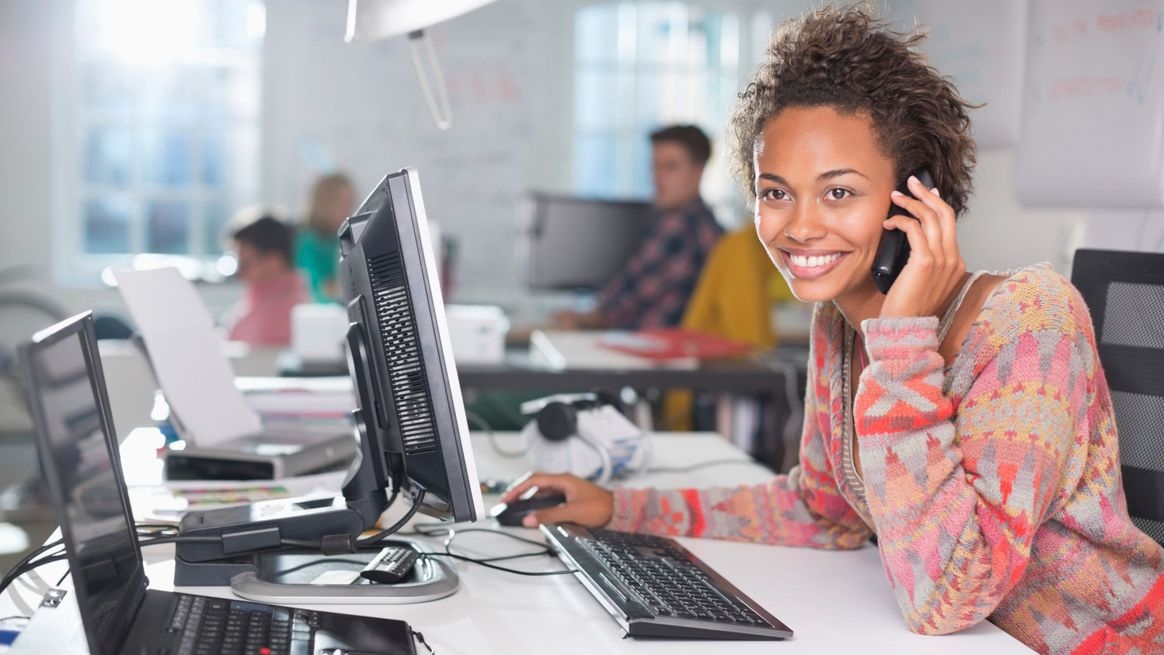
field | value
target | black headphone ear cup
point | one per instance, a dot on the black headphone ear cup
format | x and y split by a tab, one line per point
608	397
557	421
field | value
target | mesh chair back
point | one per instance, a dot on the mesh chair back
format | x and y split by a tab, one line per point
1125	292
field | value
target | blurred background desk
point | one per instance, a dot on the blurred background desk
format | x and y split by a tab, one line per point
757	400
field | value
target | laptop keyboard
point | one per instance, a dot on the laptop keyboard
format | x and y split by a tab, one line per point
214	626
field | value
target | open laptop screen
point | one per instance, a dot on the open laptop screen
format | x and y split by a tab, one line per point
66	393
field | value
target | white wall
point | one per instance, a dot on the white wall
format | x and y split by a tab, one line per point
509	67
359	107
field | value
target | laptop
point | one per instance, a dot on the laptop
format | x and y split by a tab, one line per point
271	454
118	612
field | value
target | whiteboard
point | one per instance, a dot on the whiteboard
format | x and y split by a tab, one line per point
1093	105
980	46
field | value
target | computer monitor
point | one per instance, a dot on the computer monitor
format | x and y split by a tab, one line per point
410	414
579	243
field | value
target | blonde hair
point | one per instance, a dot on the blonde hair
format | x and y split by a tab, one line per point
324	187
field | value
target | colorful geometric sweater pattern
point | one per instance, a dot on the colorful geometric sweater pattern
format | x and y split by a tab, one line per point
993	487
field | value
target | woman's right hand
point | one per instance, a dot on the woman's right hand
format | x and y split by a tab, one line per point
586	503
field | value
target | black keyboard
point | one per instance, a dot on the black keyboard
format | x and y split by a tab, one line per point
214	626
654	587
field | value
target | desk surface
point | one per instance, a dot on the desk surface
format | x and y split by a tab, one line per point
836	602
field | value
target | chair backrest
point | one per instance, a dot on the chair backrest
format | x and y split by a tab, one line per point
1125	292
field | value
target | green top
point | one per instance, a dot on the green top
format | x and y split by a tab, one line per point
316	256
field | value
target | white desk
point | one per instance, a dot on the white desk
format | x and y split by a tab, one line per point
835	602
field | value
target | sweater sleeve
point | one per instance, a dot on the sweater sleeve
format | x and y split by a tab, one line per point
956	493
802	508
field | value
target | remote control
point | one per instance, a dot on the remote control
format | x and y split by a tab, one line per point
391	565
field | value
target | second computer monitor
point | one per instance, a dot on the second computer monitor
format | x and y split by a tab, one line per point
580	243
410	414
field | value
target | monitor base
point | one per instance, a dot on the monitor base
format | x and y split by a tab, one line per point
312	579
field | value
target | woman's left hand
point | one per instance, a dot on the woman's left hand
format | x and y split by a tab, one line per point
935	265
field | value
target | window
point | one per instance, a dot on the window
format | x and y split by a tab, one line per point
162	130
642	65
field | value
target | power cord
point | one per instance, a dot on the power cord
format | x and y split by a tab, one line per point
420	639
395	527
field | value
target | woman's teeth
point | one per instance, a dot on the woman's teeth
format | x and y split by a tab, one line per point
814	260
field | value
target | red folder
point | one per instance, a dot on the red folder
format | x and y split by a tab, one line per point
673	343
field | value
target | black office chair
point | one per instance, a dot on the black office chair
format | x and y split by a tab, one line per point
1125	291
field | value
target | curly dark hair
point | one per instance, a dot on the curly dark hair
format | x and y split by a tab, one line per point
844	58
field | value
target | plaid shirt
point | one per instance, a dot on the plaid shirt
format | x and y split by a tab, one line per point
653	288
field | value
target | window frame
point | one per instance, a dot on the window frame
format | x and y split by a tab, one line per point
74	266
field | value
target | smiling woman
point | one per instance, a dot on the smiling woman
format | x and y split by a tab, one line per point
962	418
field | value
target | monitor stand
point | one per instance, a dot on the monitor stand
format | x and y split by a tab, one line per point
309	578
243	547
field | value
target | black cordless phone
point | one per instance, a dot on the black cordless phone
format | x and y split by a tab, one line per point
893	251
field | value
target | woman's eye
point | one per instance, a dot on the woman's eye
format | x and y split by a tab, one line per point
839	193
774	194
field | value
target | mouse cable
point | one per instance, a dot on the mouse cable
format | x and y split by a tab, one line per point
544	549
487	563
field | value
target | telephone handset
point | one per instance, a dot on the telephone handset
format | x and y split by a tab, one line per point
893	251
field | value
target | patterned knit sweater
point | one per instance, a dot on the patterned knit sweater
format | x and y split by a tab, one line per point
993	487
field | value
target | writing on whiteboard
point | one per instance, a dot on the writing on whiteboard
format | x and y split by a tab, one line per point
1093	109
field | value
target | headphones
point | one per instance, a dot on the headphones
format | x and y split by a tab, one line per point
587	434
557	420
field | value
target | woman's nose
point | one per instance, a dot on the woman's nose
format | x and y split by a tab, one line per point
804	225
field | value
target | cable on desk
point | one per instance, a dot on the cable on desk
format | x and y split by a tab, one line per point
701	465
487	563
544	549
26	563
26	566
317	562
395	527
420	639
484	426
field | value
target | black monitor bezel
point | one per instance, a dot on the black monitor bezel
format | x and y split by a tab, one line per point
81	326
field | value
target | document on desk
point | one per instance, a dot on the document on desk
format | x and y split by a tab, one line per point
172	500
186	355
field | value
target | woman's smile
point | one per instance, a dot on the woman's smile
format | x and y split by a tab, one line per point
810	265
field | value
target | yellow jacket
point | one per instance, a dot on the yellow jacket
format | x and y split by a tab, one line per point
733	299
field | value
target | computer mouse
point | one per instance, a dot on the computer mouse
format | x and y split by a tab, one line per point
511	513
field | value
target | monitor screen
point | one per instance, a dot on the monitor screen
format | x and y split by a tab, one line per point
410	414
66	393
580	243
